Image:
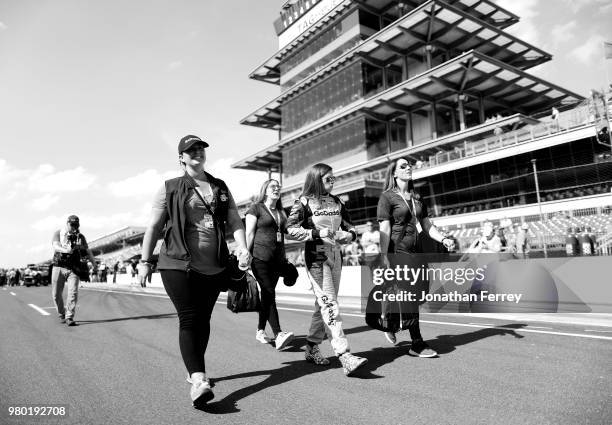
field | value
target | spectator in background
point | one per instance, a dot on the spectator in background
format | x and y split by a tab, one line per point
133	270
370	241
102	272
555	117
68	243
488	242
585	242
521	242
572	247
115	271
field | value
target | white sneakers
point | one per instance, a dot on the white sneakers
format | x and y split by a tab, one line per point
261	336
281	341
201	393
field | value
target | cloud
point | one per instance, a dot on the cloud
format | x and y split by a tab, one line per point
142	185
8	173
528	11
44	202
242	183
563	33
577	5
46	179
172	66
590	50
2	26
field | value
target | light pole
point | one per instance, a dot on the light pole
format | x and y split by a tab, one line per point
535	177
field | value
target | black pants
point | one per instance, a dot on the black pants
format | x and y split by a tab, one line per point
415	261
194	296
267	274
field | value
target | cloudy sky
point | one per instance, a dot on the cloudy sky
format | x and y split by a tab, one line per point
94	96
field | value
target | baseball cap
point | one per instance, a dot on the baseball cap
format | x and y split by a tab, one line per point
188	141
73	220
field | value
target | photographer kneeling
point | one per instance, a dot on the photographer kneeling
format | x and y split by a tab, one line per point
67	246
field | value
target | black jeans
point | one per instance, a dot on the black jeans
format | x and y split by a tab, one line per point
267	274
194	296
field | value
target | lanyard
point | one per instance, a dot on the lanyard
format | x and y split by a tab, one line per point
413	210
276	216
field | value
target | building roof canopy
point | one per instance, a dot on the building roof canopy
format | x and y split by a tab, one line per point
434	24
483	10
473	76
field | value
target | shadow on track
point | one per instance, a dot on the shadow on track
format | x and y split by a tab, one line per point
443	344
120	319
377	357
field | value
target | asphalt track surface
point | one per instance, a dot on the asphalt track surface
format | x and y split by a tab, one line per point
121	365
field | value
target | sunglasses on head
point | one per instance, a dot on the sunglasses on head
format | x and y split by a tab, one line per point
330	180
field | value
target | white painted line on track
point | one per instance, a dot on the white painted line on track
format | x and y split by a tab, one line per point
596	330
468	325
142	294
13	294
40	310
538	327
486	325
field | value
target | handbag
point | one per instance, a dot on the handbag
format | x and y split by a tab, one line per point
245	300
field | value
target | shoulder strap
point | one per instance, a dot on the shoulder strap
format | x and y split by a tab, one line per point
206	204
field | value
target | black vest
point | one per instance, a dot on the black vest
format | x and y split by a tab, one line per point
174	254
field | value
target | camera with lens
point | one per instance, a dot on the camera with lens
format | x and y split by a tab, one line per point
72	238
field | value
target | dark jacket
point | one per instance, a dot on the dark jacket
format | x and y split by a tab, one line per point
174	254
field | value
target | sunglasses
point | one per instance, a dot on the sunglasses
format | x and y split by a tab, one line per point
274	186
330	180
404	166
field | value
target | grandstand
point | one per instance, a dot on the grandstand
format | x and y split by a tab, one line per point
365	82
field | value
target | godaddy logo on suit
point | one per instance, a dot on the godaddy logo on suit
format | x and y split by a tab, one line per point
327	212
332	314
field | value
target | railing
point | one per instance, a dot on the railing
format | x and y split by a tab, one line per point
574	118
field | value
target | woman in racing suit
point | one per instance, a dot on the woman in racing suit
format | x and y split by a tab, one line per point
321	219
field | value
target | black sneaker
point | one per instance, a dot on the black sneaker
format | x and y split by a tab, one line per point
419	348
62	319
70	322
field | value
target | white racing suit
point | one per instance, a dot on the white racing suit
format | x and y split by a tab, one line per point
323	262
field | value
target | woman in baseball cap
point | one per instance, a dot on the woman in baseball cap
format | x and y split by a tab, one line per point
194	210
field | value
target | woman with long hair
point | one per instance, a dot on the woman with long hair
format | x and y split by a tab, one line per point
194	210
323	220
402	216
266	225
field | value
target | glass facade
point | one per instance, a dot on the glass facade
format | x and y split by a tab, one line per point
342	88
342	140
330	44
319	44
